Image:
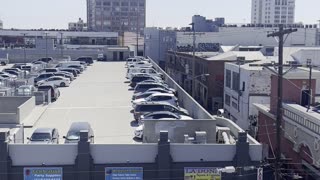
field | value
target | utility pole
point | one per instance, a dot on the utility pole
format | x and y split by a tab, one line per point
281	33
310	81
61	44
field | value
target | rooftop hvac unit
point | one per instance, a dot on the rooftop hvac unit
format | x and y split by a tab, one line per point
223	135
201	137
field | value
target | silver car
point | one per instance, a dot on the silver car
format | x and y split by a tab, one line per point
44	136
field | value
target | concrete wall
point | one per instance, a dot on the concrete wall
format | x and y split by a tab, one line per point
25	109
177	129
38	154
12	108
111	153
185	100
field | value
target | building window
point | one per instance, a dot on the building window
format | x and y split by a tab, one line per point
235	81
234	105
227	100
228	78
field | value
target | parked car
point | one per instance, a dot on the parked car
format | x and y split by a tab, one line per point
141	64
133	71
158	97
50	70
137	79
42	77
152	90
65	74
44	136
143	87
88	60
148	107
70	70
12	72
25	90
55	81
39	63
46	60
73	135
79	67
164	115
102	57
12	69
8	76
55	92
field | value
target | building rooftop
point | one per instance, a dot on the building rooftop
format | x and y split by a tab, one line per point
233	55
98	96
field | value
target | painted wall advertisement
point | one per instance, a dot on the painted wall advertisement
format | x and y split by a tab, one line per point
124	173
42	173
207	173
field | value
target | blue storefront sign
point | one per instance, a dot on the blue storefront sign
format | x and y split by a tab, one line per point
42	173
124	173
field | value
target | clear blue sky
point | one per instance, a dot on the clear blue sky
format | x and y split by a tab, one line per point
163	13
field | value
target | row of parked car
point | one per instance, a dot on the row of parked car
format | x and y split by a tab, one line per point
153	99
61	75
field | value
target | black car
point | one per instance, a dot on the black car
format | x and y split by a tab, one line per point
12	72
46	60
55	93
88	60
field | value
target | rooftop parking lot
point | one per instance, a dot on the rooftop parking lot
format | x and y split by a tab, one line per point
99	96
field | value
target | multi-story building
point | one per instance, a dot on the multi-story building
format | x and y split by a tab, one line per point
116	16
1	24
202	24
307	36
245	85
209	73
272	11
300	138
78	26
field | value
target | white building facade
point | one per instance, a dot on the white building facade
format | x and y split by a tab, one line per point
244	86
272	11
78	26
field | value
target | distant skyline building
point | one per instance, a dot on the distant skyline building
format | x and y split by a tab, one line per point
1	24
202	24
78	26
116	16
273	11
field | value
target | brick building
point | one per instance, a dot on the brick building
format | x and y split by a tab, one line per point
209	73
300	138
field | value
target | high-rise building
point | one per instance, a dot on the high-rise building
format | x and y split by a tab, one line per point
1	24
272	11
116	16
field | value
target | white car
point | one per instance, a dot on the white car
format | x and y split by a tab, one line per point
158	97
141	64
55	81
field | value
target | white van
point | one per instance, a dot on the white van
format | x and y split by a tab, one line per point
136	59
132	71
66	64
